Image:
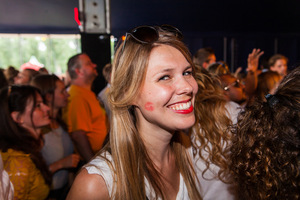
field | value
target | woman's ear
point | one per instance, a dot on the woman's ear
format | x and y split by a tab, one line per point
135	101
17	117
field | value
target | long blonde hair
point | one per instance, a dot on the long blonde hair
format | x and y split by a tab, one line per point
131	160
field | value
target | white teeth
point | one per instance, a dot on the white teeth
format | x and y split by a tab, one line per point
182	106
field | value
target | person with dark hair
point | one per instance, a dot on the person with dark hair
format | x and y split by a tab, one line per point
58	147
265	148
3	80
11	72
43	70
22	116
152	101
233	89
204	57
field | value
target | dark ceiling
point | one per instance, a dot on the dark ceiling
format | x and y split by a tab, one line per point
56	16
231	27
209	15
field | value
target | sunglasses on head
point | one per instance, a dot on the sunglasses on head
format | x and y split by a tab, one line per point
149	34
236	84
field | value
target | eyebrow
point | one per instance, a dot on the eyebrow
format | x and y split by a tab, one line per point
188	67
171	69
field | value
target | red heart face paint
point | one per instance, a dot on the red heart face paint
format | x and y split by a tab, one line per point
149	106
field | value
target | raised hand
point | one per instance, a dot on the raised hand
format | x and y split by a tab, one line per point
253	59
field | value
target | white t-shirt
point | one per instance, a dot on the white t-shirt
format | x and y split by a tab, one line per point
233	110
211	187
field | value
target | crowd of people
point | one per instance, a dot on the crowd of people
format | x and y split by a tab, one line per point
167	125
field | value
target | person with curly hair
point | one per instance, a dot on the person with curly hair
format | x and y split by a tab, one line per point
211	137
265	147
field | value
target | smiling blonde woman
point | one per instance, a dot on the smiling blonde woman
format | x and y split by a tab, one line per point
152	99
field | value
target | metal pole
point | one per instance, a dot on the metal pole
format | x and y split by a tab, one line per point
225	49
232	54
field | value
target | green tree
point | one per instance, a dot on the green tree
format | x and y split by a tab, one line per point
50	51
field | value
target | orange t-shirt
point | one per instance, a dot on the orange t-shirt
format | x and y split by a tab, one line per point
84	112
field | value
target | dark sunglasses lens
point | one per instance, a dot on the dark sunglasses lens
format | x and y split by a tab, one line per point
145	34
173	30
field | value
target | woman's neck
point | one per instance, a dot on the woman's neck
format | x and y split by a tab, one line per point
158	146
53	115
53	112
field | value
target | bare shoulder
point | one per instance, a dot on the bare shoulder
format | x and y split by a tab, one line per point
88	186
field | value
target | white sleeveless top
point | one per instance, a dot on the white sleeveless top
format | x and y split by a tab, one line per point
211	187
99	166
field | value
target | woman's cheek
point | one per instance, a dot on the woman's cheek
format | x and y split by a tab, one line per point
149	106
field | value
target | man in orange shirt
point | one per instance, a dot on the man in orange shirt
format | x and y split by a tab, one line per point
85	118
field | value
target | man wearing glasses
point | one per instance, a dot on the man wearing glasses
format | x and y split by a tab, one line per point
234	92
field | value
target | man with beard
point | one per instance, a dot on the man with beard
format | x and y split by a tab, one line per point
235	95
85	118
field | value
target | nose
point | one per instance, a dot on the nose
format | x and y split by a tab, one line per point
66	93
186	85
17	77
45	108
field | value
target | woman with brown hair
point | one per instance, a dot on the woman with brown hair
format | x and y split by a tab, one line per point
22	116
57	150
265	150
267	84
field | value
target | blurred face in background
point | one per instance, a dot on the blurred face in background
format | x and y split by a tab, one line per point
23	78
210	60
88	68
60	95
234	90
280	66
35	116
